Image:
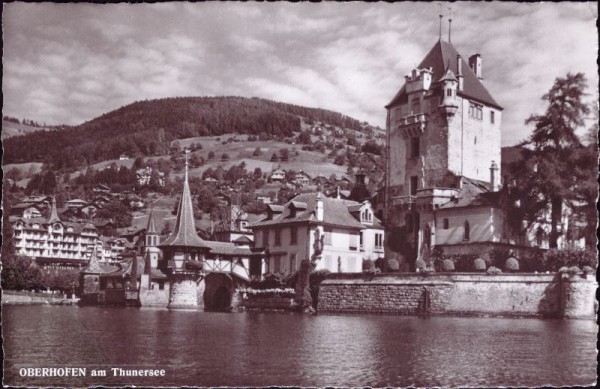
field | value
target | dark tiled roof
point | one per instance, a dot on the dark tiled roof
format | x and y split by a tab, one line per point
151	227
184	233
443	56
472	193
227	248
93	264
335	212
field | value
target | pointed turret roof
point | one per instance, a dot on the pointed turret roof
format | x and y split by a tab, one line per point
53	212
184	233
441	57
449	75
93	264
151	227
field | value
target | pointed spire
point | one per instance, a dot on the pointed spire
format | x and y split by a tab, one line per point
441	17
53	212
450	26
93	264
151	227
184	231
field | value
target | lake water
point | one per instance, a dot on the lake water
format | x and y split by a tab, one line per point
261	349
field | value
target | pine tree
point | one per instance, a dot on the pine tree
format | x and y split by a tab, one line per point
548	171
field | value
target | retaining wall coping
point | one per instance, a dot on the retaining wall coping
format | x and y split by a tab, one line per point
389	282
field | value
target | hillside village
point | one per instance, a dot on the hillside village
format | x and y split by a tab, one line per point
242	189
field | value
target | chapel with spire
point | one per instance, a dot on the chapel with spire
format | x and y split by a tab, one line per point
443	148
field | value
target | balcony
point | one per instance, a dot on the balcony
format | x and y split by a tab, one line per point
404	200
412	126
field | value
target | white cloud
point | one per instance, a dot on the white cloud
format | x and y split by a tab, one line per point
66	63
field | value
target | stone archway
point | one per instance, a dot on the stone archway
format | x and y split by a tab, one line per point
218	292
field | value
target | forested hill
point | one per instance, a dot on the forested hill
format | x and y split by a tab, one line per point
148	127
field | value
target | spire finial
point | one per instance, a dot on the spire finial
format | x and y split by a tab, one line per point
441	17
186	153
450	26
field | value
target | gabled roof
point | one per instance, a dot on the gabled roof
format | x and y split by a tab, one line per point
335	212
184	233
441	57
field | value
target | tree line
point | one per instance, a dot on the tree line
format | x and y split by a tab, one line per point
148	127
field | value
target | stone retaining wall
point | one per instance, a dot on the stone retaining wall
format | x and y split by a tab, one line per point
154	298
545	295
249	301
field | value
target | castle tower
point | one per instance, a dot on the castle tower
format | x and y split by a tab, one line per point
183	253
443	127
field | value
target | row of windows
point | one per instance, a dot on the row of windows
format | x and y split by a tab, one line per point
277	264
476	112
293	236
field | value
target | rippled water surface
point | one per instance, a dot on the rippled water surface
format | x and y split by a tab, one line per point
260	349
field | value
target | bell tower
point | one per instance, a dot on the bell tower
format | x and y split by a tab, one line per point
183	253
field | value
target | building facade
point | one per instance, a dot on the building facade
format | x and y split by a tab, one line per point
350	232
443	169
63	244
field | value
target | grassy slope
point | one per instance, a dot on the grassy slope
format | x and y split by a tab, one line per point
10	129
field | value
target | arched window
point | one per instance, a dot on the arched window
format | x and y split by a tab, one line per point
467	230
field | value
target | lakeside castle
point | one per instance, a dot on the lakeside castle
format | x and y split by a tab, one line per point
443	172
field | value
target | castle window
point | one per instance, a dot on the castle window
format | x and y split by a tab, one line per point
293	235
446	223
492	117
416	106
475	111
449	92
265	238
467	231
414	147
413	185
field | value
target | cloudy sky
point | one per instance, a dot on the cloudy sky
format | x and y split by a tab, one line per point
68	63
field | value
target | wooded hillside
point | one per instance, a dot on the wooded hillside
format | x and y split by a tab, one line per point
148	127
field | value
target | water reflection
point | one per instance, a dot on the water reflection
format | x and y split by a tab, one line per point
259	349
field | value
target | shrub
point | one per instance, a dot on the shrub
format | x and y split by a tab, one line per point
447	265
556	258
463	262
368	265
511	264
498	256
563	269
588	270
420	264
479	264
574	270
493	270
392	265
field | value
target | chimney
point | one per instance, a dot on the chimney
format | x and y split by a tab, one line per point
494	181
319	208
475	65
459	74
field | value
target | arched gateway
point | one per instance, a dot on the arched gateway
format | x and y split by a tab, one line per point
191	262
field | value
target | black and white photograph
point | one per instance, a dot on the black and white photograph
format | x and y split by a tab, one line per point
300	194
